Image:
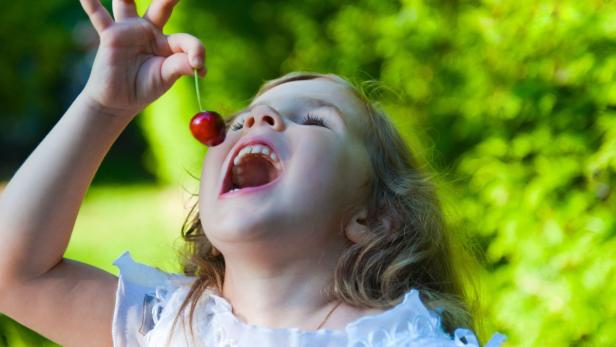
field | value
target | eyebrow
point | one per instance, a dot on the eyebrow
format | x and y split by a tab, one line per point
309	101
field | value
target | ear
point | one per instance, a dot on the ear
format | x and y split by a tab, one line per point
356	228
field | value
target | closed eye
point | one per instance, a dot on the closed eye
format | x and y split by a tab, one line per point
310	119
237	126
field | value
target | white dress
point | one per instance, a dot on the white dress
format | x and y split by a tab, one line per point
148	299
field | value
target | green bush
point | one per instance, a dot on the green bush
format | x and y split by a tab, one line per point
512	103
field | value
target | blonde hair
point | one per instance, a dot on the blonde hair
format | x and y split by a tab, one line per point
413	251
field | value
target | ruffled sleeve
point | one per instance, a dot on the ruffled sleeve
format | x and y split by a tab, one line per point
141	296
411	324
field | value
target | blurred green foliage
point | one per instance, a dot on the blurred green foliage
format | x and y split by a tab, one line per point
103	231
512	103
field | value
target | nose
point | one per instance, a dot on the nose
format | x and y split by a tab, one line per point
264	116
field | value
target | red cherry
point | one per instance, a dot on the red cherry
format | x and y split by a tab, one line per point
208	127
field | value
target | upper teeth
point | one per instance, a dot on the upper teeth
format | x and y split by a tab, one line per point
255	149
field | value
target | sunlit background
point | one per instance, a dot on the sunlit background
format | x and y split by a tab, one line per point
512	104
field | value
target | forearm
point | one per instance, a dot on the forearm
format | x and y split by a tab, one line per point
39	206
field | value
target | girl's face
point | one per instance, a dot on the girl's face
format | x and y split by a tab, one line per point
321	171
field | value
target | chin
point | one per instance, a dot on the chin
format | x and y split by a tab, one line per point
239	228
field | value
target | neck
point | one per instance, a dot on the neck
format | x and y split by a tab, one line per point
280	292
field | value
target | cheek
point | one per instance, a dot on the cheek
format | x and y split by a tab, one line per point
211	173
319	170
208	171
335	175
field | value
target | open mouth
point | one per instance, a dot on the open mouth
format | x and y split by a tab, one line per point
254	165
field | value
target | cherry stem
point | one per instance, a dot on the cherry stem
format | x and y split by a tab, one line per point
197	90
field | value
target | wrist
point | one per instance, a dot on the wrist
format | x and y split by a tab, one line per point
97	108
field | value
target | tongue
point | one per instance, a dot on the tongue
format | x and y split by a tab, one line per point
255	171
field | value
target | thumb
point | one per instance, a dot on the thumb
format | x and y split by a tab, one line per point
174	66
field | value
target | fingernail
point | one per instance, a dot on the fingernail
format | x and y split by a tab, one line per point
196	62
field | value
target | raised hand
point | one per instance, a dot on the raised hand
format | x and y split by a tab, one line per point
136	63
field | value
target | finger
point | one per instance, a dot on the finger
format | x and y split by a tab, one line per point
175	66
159	12
123	9
190	45
100	18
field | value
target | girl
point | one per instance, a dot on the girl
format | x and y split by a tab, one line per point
314	225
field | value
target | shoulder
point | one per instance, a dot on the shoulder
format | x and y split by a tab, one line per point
409	323
143	293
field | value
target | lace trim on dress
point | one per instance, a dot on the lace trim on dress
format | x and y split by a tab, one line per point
387	328
408	323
